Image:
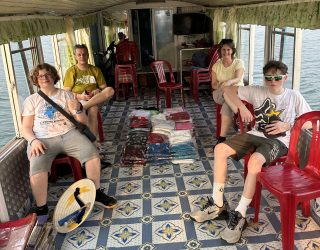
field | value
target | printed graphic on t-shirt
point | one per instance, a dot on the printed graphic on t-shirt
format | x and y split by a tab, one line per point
51	118
86	79
266	114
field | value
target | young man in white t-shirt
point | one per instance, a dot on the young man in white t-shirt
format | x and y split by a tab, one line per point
275	110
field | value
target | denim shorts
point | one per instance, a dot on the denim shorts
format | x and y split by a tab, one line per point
246	143
73	143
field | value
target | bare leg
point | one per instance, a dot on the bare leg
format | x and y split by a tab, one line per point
93	119
221	153
93	171
226	122
39	186
101	97
254	167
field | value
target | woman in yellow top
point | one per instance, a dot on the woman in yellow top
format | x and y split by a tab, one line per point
227	71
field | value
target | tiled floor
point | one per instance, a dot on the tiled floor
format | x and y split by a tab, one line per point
155	201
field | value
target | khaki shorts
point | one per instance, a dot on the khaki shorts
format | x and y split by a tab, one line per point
246	143
73	143
217	96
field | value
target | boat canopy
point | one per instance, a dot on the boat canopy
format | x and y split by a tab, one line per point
22	19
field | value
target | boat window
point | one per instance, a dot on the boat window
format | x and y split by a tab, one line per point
243	50
284	49
22	63
63	52
310	65
259	55
258	33
7	130
47	48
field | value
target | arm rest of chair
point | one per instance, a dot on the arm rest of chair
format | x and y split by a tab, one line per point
200	70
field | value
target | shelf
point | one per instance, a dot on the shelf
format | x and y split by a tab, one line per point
185	55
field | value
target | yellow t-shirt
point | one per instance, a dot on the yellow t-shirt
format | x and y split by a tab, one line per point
81	80
226	73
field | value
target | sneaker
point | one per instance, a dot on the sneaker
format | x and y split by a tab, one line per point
105	164
210	211
236	224
44	210
105	200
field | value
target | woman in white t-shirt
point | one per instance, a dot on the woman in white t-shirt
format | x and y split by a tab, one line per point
227	71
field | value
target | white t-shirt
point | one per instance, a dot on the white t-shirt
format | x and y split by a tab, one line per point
48	122
268	107
227	73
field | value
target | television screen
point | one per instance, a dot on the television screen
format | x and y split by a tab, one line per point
191	23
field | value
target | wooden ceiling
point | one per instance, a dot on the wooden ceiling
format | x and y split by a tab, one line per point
80	7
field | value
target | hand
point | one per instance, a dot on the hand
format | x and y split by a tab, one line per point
96	91
84	96
226	83
277	127
245	114
37	148
73	104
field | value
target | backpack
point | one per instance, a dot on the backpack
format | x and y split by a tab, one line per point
199	59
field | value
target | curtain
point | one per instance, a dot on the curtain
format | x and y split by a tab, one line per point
85	21
23	27
84	38
17	30
71	41
111	27
218	26
232	26
299	14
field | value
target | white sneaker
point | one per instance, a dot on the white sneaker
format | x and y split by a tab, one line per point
210	211
236	224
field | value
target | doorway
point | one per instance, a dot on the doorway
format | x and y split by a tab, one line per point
142	34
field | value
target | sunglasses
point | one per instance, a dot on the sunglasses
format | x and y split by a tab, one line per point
276	78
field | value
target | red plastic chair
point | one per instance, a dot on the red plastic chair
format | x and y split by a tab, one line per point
290	184
203	75
159	70
127	52
125	74
72	162
100	128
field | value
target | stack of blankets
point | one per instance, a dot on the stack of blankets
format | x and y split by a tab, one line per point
135	149
161	138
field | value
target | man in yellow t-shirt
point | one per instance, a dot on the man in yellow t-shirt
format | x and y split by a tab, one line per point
88	85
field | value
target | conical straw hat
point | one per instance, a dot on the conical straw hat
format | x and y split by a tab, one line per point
68	208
